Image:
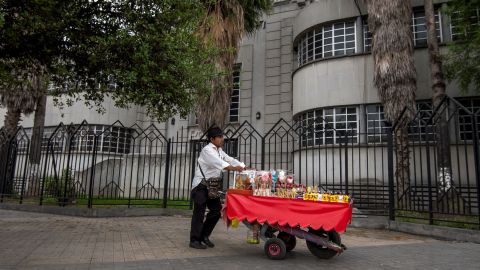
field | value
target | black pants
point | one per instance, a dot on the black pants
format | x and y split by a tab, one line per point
200	228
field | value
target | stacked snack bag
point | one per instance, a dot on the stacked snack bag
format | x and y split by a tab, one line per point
277	183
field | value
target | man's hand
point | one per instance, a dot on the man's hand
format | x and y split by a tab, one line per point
234	168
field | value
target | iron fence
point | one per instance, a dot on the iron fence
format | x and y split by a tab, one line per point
405	177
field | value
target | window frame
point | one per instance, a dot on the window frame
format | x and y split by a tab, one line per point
318	130
321	42
235	93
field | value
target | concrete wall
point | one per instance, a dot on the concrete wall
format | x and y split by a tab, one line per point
79	112
324	11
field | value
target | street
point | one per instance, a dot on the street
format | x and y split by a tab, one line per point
44	241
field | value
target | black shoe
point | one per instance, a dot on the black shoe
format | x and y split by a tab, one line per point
208	242
197	245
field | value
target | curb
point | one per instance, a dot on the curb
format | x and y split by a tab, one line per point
439	232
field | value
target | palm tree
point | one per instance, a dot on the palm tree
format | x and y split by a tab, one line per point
19	95
394	73
225	24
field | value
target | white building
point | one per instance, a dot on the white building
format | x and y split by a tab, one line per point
309	59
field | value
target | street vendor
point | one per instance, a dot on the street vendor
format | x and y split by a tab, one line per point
211	162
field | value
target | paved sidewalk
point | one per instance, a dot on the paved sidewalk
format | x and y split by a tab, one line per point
44	241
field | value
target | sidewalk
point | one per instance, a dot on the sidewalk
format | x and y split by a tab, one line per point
44	241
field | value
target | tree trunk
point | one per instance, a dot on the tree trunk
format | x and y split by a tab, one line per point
394	74
438	94
402	165
37	132
33	186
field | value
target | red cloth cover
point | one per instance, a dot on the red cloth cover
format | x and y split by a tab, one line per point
289	212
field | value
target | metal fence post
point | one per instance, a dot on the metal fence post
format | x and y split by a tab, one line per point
391	181
193	149
429	182
42	188
24	176
346	163
92	174
167	172
262	165
477	162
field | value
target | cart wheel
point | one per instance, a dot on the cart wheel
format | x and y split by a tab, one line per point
289	240
321	251
275	249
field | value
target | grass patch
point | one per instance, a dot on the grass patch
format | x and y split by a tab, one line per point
454	221
105	203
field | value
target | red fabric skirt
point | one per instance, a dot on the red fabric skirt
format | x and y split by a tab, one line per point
289	212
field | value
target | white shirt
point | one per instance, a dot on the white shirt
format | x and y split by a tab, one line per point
213	160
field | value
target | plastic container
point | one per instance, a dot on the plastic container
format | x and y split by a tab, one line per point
253	234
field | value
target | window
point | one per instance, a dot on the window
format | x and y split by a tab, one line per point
56	144
455	31
329	126
376	128
235	97
329	40
112	139
419	129
465	119
367	37
419	28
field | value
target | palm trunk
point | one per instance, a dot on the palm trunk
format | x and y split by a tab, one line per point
214	109
224	26
12	117
394	74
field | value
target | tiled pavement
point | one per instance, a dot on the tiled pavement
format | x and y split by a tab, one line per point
44	241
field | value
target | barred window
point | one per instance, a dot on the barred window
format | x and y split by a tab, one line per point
115	140
235	97
465	119
110	139
56	144
419	27
455	31
367	37
376	128
325	41
420	129
329	126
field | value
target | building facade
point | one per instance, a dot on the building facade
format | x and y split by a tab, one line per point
309	60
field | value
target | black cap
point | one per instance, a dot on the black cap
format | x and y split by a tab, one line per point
214	132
